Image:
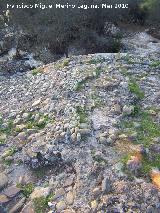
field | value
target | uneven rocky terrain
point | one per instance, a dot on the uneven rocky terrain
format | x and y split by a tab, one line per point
82	135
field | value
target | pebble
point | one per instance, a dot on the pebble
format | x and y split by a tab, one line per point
103	140
78	137
12	191
69	181
74	137
85	131
70	198
61	205
59	193
94	204
39	192
36	103
96	192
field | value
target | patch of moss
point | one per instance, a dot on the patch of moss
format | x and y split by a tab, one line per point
82	114
124	71
98	71
155	64
8	129
135	89
125	158
148	129
96	61
2	142
10	152
36	71
65	63
18	130
8	162
126	124
97	101
148	164
40	204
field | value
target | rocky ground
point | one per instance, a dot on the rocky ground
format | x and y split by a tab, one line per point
82	135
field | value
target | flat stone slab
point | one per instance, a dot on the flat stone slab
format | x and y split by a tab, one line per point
12	191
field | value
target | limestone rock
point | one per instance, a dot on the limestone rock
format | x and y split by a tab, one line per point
36	103
12	191
3	180
18	206
61	205
40	192
3	199
70	198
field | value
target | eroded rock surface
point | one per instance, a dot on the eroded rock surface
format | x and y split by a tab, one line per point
62	130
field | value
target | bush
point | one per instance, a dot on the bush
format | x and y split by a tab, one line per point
57	28
152	8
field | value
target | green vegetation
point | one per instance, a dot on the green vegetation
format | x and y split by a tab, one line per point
97	71
39	173
95	74
27	189
99	159
124	71
9	152
63	63
151	9
80	85
97	101
155	64
2	141
96	61
136	110
40	124
129	59
36	71
7	162
7	129
82	114
135	89
148	129
41	204
148	164
125	159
